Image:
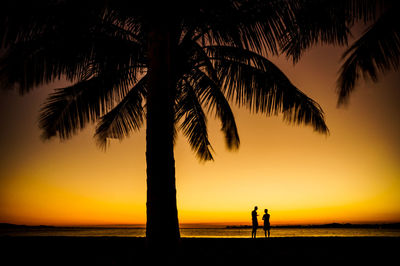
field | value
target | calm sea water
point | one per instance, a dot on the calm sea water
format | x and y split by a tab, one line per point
205	232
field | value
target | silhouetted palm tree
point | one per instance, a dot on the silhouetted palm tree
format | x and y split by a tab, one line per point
168	64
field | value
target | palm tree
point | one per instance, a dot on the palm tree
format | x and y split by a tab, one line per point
168	66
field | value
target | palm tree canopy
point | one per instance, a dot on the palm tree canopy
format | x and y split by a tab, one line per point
101	48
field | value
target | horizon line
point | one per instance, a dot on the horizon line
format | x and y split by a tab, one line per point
204	224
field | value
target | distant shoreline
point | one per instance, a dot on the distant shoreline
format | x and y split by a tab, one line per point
330	225
210	226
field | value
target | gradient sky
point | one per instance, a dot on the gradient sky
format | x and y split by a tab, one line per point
352	175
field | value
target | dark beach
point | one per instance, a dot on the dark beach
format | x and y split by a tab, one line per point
201	251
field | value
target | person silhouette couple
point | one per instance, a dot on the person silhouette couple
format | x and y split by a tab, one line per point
254	219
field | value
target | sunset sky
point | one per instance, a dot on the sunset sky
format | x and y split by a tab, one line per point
352	175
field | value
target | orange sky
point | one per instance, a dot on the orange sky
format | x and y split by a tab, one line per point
353	175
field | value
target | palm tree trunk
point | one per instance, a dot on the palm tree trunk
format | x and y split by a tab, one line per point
162	228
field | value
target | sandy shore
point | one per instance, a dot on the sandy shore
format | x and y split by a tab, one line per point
201	251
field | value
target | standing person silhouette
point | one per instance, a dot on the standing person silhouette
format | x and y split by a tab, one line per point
254	221
267	225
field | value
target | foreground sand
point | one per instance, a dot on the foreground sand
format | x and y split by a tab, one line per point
201	251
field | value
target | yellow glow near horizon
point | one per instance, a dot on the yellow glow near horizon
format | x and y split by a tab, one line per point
353	175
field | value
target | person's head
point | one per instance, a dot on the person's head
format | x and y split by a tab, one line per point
255	208
266	210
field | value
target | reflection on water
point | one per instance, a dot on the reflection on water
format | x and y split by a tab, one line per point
205	232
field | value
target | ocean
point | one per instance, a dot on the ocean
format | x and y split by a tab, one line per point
202	232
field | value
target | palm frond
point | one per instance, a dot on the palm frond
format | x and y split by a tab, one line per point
363	10
256	83
377	50
323	21
126	116
24	19
210	94
255	25
194	124
37	62
68	47
199	71
69	109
